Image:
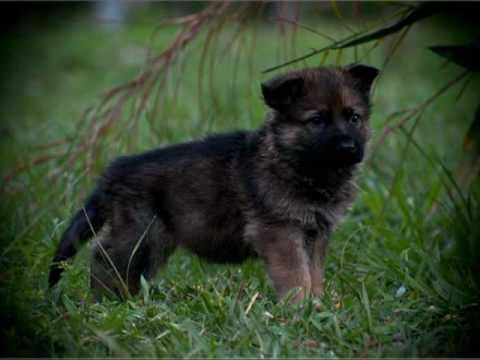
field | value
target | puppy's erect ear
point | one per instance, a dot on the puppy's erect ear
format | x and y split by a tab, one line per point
282	91
363	76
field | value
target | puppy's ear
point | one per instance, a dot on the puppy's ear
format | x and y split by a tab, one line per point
363	76
282	91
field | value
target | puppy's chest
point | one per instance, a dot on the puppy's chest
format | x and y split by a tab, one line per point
310	215
290	205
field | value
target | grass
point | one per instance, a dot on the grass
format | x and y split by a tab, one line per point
401	280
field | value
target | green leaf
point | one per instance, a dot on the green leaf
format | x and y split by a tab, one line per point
467	56
420	12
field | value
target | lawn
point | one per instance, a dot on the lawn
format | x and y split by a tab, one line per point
402	268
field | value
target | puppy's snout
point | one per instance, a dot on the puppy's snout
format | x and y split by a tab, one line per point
346	146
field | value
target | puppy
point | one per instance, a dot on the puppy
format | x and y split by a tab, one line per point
275	193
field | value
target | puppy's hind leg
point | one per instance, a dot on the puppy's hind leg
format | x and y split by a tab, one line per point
131	250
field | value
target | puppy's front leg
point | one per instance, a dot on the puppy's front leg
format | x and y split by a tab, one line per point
288	265
316	252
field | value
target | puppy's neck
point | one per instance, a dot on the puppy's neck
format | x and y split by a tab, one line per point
324	185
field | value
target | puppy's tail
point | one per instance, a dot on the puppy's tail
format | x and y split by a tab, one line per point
84	225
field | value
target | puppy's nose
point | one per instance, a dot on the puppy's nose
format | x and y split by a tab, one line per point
347	145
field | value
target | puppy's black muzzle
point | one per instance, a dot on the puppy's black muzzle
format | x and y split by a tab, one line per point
333	152
347	151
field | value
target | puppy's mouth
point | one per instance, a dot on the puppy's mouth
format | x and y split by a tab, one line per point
345	159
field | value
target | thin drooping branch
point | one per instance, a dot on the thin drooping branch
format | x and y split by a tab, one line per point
100	119
121	109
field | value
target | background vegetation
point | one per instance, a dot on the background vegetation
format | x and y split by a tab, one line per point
402	269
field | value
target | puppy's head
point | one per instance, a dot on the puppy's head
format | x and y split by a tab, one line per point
321	114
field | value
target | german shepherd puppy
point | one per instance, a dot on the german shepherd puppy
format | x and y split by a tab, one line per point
274	193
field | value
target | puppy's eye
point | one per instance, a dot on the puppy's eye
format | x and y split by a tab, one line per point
355	119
